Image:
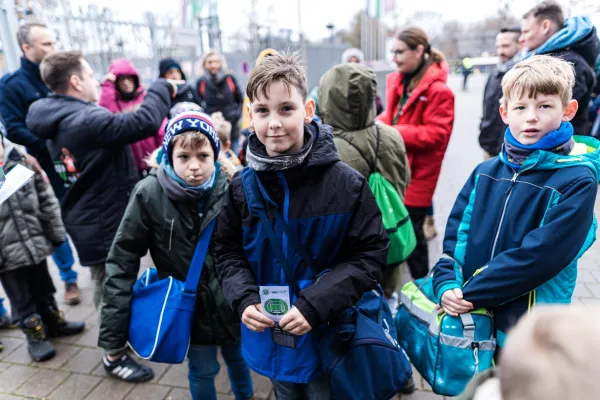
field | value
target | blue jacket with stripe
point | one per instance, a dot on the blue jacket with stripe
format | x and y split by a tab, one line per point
331	209
513	238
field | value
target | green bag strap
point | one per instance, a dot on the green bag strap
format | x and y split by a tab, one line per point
372	166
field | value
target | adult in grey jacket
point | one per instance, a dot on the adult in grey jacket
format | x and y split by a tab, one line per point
491	128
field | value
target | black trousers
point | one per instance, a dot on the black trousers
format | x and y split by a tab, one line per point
418	261
30	290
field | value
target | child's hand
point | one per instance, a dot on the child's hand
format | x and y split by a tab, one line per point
295	323
453	304
255	320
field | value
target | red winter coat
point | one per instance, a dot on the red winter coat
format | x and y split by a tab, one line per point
111	99
425	125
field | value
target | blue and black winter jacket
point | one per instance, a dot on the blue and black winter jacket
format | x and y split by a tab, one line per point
334	215
513	238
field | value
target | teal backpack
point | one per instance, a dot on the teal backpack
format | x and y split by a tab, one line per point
396	220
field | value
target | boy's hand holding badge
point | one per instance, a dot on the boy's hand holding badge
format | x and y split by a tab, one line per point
275	301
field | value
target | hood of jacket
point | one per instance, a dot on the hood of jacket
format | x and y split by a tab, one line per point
122	67
347	97
586	152
578	35
166	64
46	115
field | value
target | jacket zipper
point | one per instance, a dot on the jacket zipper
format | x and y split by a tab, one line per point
512	184
286	203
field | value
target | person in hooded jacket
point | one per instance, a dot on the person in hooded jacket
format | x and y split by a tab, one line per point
347	98
121	92
218	91
545	31
421	107
169	68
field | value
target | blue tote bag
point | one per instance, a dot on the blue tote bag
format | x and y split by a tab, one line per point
162	310
359	353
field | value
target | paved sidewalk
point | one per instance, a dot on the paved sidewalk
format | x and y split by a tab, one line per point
76	372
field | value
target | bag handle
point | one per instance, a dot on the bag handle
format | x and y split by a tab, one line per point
197	264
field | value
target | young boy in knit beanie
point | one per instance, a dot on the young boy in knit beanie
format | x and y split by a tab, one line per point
166	215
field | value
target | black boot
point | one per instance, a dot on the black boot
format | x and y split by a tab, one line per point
40	349
57	326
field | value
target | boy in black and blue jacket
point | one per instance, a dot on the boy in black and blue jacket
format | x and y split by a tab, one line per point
523	219
330	208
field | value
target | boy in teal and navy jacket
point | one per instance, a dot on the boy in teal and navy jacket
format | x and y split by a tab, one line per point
523	219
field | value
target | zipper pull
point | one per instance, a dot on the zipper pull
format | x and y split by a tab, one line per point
514	178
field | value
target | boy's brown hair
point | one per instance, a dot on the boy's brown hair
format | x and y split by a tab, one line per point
57	69
552	354
539	75
194	139
278	67
222	126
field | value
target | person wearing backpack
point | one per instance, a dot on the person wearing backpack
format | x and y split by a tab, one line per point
218	91
364	145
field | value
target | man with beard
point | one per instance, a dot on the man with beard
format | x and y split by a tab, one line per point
491	128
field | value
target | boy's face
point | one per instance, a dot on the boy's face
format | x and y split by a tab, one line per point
530	119
194	165
279	119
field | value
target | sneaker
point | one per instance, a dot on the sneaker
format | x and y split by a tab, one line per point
72	294
409	388
429	228
40	349
127	369
56	325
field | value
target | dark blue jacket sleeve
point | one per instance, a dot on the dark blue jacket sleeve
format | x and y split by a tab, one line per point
448	270
13	109
544	252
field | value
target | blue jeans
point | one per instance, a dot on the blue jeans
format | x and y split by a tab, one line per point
64	260
204	367
317	389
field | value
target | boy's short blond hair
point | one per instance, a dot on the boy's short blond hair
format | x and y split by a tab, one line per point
539	75
222	126
278	67
552	354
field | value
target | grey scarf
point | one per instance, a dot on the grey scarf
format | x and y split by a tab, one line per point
175	191
259	160
505	67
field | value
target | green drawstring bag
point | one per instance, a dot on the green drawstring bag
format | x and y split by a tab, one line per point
396	220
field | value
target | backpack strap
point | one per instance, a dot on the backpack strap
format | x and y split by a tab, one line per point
195	271
231	84
255	197
202	88
372	166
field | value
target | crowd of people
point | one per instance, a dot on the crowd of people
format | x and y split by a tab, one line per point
123	170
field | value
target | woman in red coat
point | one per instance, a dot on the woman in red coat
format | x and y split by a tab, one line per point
421	107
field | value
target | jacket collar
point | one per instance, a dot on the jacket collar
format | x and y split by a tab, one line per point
435	72
31	68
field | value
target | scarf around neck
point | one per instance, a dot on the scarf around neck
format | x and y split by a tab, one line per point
180	191
559	142
259	160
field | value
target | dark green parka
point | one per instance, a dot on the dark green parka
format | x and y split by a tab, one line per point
170	231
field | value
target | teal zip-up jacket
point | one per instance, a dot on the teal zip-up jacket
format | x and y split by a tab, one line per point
513	238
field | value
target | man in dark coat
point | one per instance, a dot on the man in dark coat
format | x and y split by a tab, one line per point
545	31
18	91
90	145
491	128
